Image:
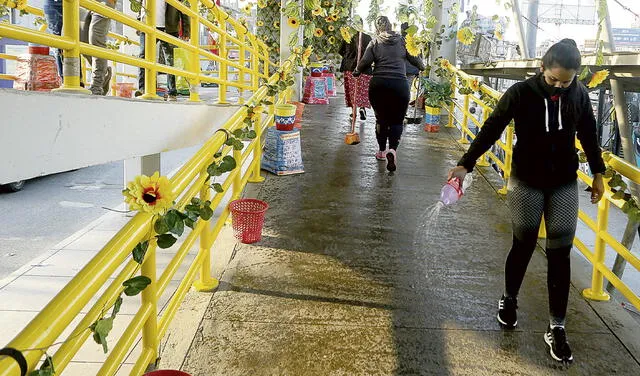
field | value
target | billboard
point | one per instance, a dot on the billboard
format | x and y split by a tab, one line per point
577	12
626	37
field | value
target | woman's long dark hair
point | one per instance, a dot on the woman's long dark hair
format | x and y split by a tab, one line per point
565	54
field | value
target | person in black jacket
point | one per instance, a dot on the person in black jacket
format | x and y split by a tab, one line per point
548	109
389	90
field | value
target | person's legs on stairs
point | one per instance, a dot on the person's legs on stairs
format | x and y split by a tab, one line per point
167	49
140	90
98	31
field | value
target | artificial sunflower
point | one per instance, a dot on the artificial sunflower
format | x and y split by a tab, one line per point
276	24
466	36
598	78
262	4
410	44
327	3
260	23
331	28
316	12
346	34
335	17
247	9
498	35
306	54
332	40
474	85
329	19
150	194
293	22
318	33
20	4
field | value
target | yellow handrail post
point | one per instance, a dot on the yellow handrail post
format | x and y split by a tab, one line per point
194	96
114	79
255	64
222	50
452	107
465	118
150	41
237	180
206	281
72	64
242	60
257	149
484	160
149	296
596	292
508	157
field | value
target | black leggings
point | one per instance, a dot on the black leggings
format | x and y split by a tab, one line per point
389	98
560	208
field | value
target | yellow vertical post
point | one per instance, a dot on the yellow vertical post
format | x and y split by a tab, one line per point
237	180
222	50
150	79
194	96
596	292
255	64
508	157
465	118
206	281
257	149
452	107
150	338
72	65
484	160
114	79
242	59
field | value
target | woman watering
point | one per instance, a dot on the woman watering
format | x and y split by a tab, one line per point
388	90
548	110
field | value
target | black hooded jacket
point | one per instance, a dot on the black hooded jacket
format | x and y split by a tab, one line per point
545	154
388	55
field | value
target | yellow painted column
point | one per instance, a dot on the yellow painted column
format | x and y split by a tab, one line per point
237	180
255	65
194	96
596	291
452	107
257	149
242	59
150	74
206	281
114	79
508	158
465	118
72	65
222	50
484	160
150	338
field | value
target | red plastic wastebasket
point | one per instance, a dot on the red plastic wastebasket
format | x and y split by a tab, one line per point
166	372
247	219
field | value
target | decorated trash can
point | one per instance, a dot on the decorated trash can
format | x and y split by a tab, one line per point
331	83
285	116
282	153
431	119
315	91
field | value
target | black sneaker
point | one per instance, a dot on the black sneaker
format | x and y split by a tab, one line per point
559	348
507	316
363	114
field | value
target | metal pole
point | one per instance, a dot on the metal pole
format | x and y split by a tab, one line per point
532	27
517	16
625	133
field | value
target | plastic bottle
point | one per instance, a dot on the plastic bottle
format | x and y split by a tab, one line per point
454	189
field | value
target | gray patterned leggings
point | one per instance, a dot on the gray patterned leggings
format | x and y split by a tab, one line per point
560	208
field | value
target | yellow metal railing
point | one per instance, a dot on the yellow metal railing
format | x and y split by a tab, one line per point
599	225
252	64
190	181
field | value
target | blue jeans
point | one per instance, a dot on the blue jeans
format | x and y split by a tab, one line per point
166	57
53	15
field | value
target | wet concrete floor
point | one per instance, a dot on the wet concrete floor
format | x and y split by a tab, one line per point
348	280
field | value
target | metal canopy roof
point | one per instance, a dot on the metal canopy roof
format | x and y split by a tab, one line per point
625	66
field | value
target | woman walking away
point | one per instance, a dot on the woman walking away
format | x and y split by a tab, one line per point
355	95
548	110
389	90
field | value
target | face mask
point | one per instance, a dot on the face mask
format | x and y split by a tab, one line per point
552	90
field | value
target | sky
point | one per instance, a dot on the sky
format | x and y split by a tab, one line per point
620	18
